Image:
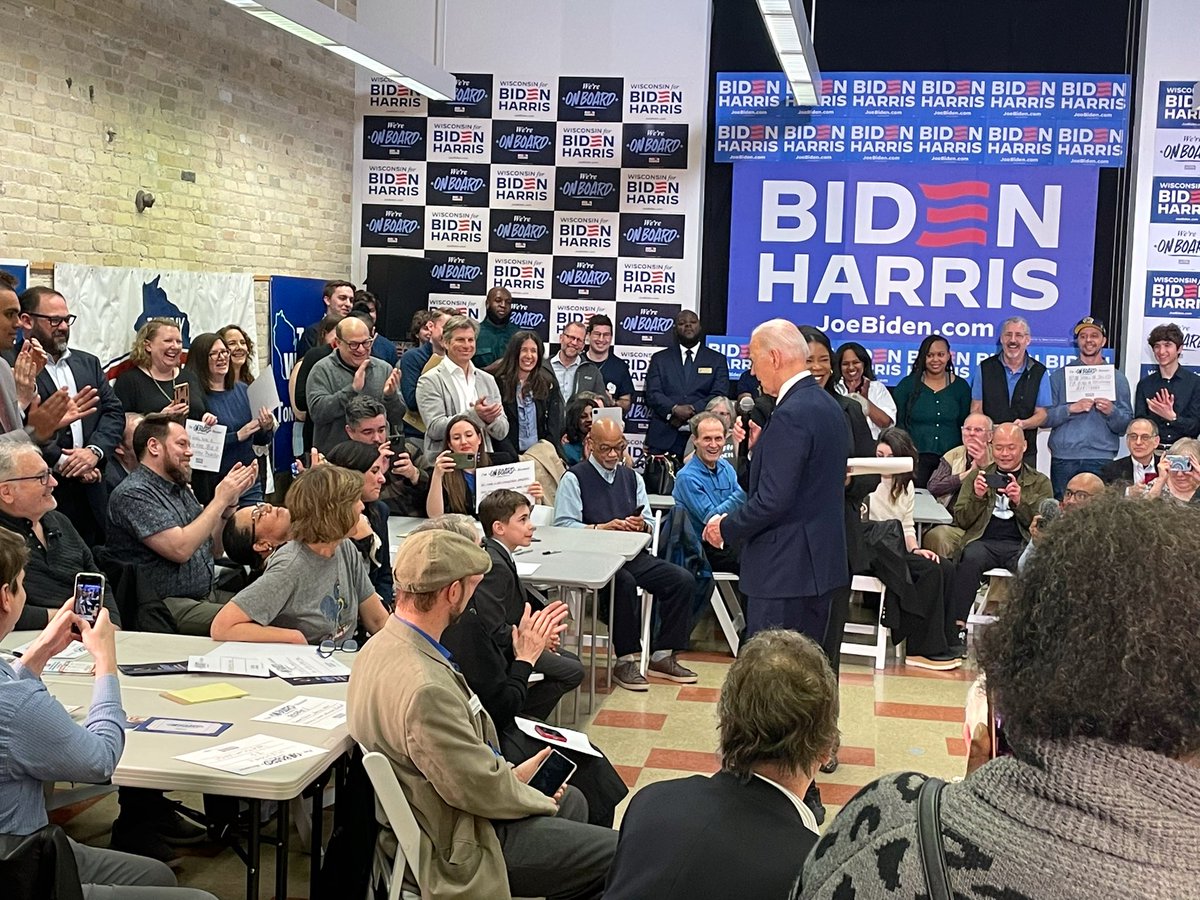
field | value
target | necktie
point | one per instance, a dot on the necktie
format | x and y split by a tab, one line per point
689	364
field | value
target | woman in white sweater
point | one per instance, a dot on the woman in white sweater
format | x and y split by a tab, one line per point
928	626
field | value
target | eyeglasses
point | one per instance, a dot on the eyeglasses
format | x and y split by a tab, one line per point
42	478
1069	494
327	647
255	515
1138	438
606	449
55	321
570	339
218	354
355	346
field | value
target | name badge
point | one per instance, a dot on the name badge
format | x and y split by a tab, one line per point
704	370
475	704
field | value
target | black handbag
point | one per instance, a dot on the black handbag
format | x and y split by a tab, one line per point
658	472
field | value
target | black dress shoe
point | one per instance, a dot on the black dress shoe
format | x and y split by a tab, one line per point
177	831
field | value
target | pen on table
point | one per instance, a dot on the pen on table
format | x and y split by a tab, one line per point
550	552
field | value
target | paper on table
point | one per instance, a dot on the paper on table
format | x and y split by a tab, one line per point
249	650
524	568
60	666
308	712
309	666
206	693
251	754
878	465
262	393
516	476
229	665
208	443
73	650
1090	383
557	736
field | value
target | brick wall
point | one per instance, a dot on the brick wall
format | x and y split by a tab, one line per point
101	98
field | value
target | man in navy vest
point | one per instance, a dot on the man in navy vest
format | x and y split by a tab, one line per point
602	493
1011	386
793	527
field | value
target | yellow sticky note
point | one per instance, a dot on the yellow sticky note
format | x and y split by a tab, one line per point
205	693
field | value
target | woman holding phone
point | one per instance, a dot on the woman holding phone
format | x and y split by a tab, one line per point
157	380
452	479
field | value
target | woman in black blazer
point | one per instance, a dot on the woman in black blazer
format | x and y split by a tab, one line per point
529	393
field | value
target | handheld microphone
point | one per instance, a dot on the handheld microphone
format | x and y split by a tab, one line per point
745	407
1049	510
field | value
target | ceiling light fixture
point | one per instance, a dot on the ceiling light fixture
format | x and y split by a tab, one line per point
788	29
313	21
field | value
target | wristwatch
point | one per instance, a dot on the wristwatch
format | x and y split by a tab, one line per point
99	453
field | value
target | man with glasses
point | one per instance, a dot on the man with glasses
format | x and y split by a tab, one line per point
618	383
604	494
1081	489
571	370
346	373
1140	467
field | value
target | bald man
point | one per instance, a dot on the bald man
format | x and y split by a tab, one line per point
1081	489
791	527
603	494
344	374
995	510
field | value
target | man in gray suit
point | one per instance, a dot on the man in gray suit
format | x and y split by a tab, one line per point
18	387
456	386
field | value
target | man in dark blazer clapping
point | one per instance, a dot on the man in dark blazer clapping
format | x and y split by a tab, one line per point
80	450
680	381
794	533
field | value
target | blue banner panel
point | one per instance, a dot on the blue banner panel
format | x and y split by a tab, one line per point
903	251
294	304
19	269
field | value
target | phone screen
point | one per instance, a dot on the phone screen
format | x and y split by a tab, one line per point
89	595
552	773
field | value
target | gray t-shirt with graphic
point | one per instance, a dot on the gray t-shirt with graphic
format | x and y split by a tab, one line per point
318	596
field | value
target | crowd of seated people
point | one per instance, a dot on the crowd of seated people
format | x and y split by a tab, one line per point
100	477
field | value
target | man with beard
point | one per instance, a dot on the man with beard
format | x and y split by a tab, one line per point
1012	386
407	486
495	329
156	523
679	383
76	452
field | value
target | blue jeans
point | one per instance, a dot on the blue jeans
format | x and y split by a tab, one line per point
1063	470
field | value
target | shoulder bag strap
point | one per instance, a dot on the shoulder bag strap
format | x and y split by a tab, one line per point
929	840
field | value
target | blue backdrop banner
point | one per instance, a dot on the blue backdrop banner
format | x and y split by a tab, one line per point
294	304
19	269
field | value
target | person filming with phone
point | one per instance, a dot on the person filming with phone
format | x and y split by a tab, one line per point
995	510
452	478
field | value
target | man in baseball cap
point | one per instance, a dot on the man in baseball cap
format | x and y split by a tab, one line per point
1085	432
485	832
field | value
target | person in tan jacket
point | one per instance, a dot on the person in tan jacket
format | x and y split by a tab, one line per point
484	831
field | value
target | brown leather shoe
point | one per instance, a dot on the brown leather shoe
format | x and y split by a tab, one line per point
670	669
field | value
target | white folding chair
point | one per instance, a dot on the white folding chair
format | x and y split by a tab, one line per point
728	609
647	597
541	515
403	824
877	650
979	615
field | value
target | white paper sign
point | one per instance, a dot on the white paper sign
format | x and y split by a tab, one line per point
251	754
208	444
228	665
307	712
557	736
262	393
516	476
1090	383
306	666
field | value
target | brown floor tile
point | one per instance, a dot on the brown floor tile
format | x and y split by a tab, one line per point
705	656
616	718
682	760
834	794
856	678
629	774
965	672
857	756
699	694
919	711
65	814
955	746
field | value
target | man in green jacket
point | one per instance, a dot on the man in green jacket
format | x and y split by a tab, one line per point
994	510
496	328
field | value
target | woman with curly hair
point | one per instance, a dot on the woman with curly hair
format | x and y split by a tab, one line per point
1094	674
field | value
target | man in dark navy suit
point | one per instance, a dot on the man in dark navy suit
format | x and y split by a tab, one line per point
679	383
80	450
792	525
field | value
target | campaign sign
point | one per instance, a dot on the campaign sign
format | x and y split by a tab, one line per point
454	272
651	236
529	143
642	324
647	279
1173	294
394	182
1095	145
736	351
911	249
524	99
1176	201
458	140
530	314
1177	152
1018	144
751	95
472	98
524	187
653	101
637	357
393	138
1173	247
522	231
524	276
456	229
1175	108
588	144
590	99
400	227
594	278
653	146
585	234
587	190
565	311
650	190
457	184
385	95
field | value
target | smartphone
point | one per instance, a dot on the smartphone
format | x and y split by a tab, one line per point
999	743
89	595
997	479
397	445
464	460
183	393
555	771
1179	463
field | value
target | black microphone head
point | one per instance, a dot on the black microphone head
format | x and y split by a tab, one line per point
746	404
1049	510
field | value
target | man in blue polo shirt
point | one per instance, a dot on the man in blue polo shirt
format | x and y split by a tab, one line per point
1011	386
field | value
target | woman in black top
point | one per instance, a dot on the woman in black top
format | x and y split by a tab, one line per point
157	381
372	543
529	393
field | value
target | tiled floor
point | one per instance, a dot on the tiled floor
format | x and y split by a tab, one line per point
891	720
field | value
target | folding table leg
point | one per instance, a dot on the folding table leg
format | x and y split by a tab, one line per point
594	596
253	850
316	843
282	839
